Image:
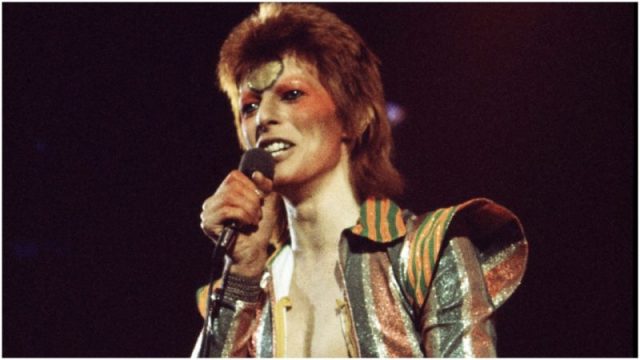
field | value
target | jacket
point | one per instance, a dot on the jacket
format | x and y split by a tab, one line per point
414	286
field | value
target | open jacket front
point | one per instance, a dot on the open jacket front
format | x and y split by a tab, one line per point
413	286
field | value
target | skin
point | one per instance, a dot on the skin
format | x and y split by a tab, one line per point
313	179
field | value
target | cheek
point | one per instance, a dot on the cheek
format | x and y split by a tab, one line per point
326	120
248	133
329	133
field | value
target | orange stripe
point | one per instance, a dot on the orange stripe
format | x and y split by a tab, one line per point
412	243
420	239
427	270
400	226
424	267
357	230
419	294
384	223
371	219
436	238
415	256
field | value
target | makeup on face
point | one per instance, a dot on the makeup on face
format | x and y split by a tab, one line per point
265	76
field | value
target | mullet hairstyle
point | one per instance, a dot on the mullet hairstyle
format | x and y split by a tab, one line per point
347	68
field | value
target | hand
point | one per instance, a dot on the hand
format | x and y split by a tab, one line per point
251	205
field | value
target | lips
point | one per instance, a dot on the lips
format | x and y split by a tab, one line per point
275	146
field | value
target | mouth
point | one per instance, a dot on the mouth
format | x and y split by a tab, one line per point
275	147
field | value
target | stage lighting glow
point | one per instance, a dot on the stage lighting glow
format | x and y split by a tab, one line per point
396	113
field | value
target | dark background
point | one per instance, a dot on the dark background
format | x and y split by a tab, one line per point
114	133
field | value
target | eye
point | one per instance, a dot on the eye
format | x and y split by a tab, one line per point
248	109
292	95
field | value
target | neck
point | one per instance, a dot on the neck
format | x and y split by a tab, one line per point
319	212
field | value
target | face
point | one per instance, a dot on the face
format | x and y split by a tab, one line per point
286	111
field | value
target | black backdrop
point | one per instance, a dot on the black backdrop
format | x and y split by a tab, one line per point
114	134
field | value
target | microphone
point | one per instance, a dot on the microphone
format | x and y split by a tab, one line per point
252	160
255	159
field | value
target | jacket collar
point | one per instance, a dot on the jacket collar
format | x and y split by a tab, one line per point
380	221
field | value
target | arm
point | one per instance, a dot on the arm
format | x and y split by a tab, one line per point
233	328
456	318
252	205
455	285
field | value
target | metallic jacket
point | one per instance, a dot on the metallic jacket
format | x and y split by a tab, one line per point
414	286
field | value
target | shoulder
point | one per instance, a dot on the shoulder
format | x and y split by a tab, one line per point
494	230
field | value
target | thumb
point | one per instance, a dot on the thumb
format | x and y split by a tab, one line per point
262	182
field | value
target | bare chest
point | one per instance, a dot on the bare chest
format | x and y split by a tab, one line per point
314	325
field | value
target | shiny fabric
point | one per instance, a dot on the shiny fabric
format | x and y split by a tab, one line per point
414	286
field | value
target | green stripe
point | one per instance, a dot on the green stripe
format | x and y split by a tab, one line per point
391	219
427	237
428	241
432	256
363	219
454	210
445	227
412	255
422	240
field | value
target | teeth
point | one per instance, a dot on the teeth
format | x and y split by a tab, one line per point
277	147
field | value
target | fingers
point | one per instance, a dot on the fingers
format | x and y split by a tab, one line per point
237	199
235	189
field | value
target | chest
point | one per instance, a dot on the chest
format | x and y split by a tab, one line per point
314	327
373	320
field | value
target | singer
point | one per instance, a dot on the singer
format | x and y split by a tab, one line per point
326	264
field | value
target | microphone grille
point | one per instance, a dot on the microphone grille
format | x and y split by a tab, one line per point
257	160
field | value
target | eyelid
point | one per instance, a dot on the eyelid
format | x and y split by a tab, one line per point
248	108
249	103
292	94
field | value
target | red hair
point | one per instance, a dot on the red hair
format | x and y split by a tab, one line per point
347	68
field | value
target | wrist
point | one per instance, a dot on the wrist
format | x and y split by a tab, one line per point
242	288
250	269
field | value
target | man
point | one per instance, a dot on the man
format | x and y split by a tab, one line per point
352	275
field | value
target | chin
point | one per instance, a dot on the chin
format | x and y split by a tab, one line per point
285	181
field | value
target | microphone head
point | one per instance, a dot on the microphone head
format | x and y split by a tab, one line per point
257	159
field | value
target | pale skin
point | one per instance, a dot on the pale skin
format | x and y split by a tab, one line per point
312	176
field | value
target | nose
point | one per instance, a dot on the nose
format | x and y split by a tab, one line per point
266	116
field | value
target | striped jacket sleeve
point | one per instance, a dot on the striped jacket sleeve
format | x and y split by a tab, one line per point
463	262
233	329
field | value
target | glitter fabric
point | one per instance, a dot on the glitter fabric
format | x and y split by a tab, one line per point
502	269
238	325
262	336
372	318
476	328
430	290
